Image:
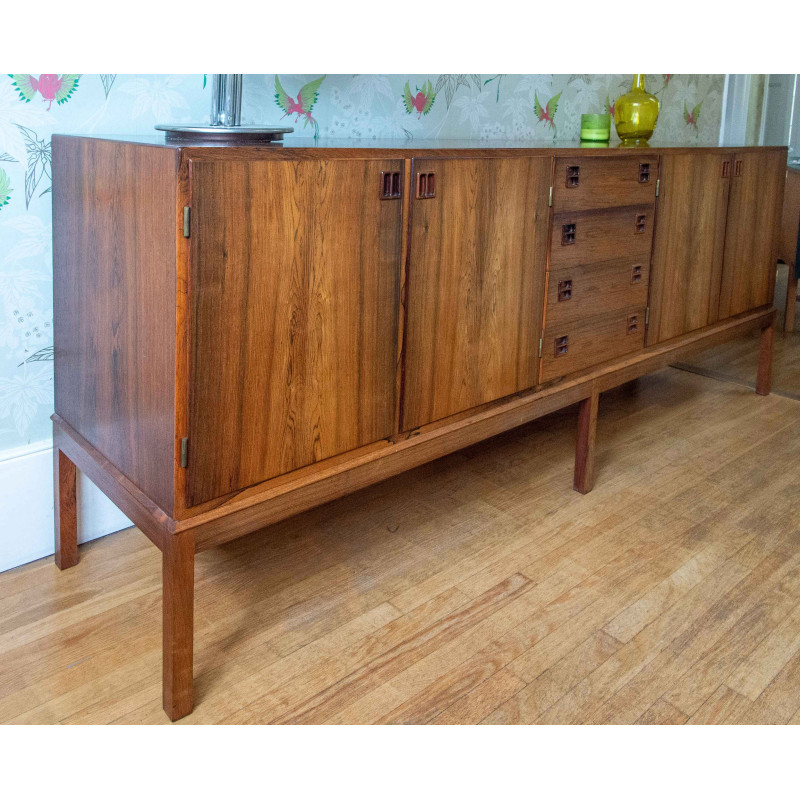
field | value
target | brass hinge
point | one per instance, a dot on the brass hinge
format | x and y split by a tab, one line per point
658	186
186	213
647	316
550	199
540	348
185	451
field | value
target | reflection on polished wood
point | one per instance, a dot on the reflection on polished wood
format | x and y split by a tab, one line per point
476	588
736	360
787	242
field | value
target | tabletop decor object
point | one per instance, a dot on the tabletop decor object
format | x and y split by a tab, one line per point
225	125
636	114
595	127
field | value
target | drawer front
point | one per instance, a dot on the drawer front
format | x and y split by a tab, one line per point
600	182
587	290
582	344
581	237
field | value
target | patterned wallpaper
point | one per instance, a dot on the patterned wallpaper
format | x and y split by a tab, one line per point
32	107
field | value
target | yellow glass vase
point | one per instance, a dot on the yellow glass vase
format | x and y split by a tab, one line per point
635	114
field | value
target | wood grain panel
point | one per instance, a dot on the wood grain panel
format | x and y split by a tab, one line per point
588	182
600	235
296	280
595	289
114	303
754	214
475	284
590	342
688	244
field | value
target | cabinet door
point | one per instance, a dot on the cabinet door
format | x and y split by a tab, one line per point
295	301
688	243
754	212
475	282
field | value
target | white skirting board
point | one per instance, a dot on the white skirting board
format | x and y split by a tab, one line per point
26	506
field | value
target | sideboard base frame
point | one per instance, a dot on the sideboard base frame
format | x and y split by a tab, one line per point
257	507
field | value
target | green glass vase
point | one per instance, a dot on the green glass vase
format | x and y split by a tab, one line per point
635	114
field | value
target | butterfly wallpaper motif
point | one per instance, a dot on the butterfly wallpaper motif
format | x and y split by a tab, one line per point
539	108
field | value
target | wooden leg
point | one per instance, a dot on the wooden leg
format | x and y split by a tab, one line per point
791	301
178	567
584	451
65	477
764	377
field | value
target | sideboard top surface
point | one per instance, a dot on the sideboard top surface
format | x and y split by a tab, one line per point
332	148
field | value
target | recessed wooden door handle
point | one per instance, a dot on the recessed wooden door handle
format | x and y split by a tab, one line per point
391	186
573	177
737	168
726	169
426	185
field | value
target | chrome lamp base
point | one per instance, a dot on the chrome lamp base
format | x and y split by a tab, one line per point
222	134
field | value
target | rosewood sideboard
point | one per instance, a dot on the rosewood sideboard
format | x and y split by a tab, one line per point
243	333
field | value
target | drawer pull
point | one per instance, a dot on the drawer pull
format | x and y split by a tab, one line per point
391	186
633	323
426	185
561	345
573	177
641	223
568	234
636	274
644	173
564	290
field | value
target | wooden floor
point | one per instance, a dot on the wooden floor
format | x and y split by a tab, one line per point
479	588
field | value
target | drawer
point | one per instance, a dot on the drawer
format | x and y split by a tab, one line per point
581	237
586	290
586	343
604	182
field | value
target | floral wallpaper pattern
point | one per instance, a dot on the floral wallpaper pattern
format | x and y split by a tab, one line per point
483	107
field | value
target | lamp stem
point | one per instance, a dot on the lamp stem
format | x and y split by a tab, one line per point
226	100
